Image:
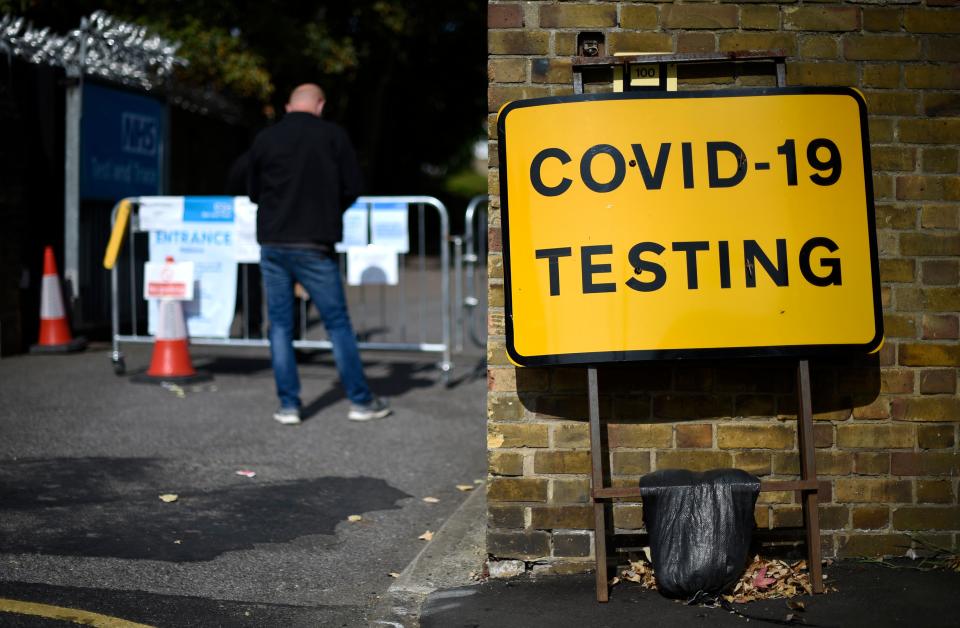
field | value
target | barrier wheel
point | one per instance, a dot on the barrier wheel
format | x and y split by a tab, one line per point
119	366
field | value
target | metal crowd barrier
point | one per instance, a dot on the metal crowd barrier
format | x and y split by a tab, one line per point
411	296
470	252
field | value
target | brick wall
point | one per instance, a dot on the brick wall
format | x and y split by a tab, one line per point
886	425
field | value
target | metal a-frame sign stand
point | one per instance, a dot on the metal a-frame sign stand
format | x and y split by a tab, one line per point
658	71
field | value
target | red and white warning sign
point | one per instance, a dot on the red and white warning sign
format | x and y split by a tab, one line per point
168	280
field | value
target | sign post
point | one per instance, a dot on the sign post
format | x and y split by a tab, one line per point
653	225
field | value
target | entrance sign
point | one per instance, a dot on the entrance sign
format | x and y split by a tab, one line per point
652	225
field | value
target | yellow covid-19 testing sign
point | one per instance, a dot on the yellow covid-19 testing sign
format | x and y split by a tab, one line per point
652	225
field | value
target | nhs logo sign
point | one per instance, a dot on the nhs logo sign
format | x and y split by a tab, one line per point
140	135
122	143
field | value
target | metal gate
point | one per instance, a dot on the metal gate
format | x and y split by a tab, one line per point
419	318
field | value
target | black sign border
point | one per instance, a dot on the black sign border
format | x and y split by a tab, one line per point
784	351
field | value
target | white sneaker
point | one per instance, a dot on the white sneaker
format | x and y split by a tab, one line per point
376	408
287	416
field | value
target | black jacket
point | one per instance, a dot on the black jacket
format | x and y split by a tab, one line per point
303	175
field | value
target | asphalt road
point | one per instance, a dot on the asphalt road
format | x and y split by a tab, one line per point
84	456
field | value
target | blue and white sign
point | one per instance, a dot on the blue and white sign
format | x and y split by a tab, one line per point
121	144
388	226
205	236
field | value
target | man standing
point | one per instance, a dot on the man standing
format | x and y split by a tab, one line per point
303	175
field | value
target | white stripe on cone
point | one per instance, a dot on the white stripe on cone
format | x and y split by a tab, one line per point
172	325
51	301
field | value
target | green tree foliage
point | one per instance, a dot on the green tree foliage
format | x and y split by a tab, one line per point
407	77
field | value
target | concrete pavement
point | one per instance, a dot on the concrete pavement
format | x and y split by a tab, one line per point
85	455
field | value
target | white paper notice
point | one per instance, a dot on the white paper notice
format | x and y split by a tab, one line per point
354	228
388	226
168	280
372	265
160	212
245	225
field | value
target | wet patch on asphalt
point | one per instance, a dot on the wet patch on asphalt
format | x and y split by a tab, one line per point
109	507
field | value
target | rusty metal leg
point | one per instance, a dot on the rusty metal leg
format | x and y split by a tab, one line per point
808	471
596	483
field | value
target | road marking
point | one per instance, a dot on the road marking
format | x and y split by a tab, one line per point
62	613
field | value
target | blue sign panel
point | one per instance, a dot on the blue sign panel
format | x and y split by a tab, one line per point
208	209
121	144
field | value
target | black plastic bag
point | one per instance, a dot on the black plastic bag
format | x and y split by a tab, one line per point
700	526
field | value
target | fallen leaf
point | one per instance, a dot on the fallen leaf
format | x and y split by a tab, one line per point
177	542
796	606
354	518
247	473
169	497
478	482
393	574
464	487
431	500
426	536
615	581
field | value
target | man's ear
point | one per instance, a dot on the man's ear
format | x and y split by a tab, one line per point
320	107
286	107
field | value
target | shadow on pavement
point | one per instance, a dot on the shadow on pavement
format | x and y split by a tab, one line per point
110	507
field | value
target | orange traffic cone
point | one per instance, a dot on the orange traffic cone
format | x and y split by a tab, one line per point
171	353
55	336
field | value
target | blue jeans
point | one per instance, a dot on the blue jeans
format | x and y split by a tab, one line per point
320	275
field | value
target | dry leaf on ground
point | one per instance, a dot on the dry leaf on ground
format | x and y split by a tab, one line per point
464	487
169	497
426	536
354	518
764	579
393	574
431	500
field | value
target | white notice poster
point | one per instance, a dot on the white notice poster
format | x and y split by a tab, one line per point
245	225
205	237
388	226
372	265
354	228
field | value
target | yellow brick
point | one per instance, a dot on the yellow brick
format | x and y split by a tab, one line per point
571	436
938	409
815	18
872	545
566	517
929	355
504	463
755	462
861	490
760	17
928	188
871	517
693	460
881	19
638	17
943	76
511	435
834	463
504	407
561	462
881	75
698	16
697	436
927	518
881	47
732	42
502	379
818	47
628	516
507	70
898	270
499	95
517	490
639	435
570	491
551	71
922	20
868	436
577	15
930	131
768	436
630	462
826	73
522	42
887	103
639	42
